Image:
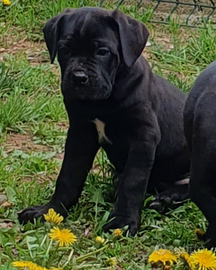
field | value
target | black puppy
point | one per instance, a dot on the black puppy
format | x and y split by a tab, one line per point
200	132
113	100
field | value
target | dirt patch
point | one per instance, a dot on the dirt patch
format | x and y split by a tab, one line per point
22	142
25	143
36	52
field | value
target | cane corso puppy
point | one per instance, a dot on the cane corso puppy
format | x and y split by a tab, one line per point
114	101
200	132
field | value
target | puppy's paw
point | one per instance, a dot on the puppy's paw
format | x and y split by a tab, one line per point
157	205
120	221
36	212
171	198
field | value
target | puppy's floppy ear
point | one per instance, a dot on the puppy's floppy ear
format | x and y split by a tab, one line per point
52	31
133	36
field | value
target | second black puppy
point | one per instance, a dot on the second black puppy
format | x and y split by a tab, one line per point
200	131
113	100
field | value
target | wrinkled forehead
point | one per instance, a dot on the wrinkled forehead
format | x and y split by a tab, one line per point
90	25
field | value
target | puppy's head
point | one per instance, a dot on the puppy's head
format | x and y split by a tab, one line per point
91	44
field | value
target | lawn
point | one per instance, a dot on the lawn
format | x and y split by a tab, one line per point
33	125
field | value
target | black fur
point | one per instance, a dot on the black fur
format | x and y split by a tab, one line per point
200	131
105	77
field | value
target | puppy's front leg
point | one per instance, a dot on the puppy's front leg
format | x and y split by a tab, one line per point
132	185
80	149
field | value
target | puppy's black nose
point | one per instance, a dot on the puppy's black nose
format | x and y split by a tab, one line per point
79	77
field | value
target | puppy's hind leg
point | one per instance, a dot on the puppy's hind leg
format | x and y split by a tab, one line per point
206	201
203	163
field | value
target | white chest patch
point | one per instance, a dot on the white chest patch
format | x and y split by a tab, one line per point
100	126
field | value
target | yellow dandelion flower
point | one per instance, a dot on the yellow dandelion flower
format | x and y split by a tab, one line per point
20	264
6	2
64	237
199	233
117	233
162	255
28	265
53	217
99	240
204	259
186	258
112	261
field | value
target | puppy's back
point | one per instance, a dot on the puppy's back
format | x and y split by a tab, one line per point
206	82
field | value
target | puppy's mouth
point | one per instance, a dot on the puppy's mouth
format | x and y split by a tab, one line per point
86	92
86	85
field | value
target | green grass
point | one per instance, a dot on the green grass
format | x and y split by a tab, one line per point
33	126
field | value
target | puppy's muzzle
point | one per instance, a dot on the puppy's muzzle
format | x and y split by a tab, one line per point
79	78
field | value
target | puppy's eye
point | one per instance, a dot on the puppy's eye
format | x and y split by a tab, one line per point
103	52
